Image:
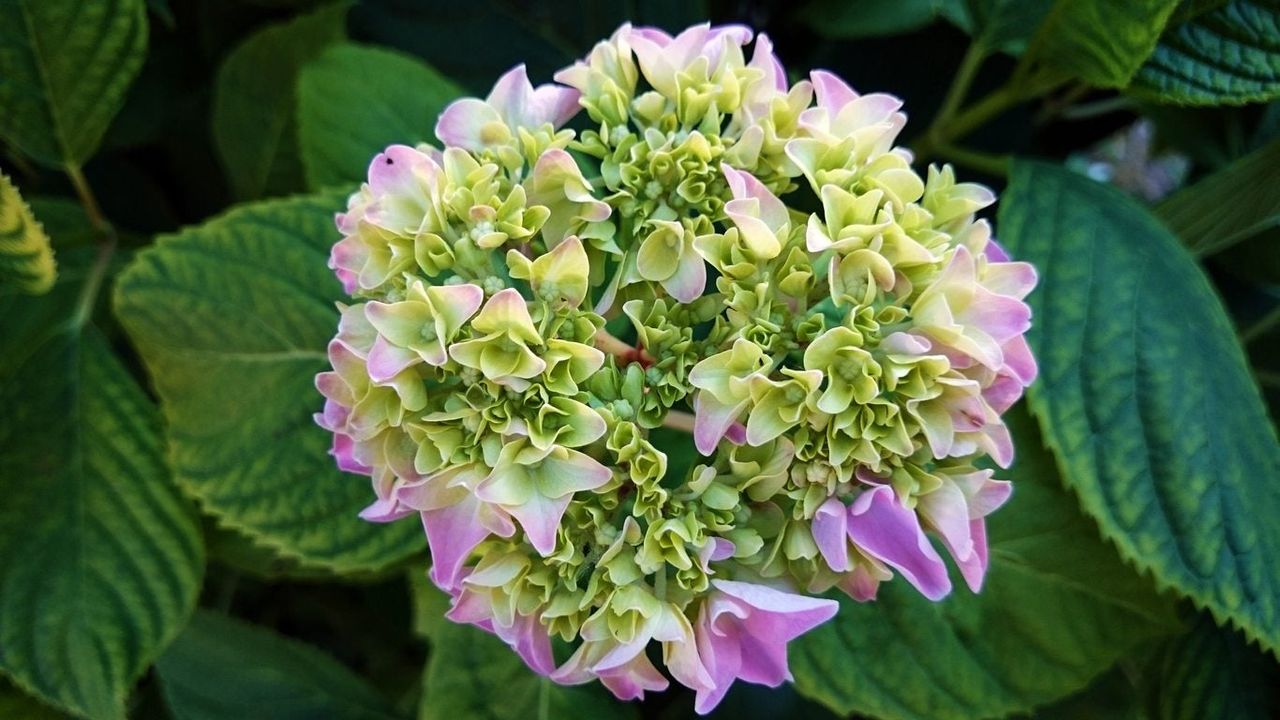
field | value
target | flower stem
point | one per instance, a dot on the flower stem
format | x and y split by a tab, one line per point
678	420
625	352
606	342
90	203
106	235
989	163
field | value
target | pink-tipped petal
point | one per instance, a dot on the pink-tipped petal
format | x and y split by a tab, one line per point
830	532
886	530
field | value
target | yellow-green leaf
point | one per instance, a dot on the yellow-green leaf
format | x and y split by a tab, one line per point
26	259
1102	42
232	319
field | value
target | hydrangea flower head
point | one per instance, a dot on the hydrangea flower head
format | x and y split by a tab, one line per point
535	308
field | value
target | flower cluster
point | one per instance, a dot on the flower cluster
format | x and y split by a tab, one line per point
540	313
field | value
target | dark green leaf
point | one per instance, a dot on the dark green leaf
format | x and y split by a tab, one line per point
1110	697
1004	25
64	68
232	318
1102	42
355	100
225	669
1228	56
843	19
100	557
1058	608
1145	396
473	674
429	604
255	98
26	259
1229	206
1211	672
18	705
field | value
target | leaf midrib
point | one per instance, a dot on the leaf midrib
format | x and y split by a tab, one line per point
37	54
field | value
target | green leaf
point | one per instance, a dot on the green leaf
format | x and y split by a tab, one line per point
64	68
472	674
1057	609
1004	25
430	603
1211	672
224	669
1229	56
26	259
1231	205
1103	42
254	101
16	704
1110	697
100	557
1145	396
355	100
232	319
842	19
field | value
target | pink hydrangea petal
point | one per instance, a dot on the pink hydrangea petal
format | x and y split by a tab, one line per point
830	532
743	631
974	568
881	527
711	420
745	186
947	512
344	451
387	361
832	92
452	533
462	121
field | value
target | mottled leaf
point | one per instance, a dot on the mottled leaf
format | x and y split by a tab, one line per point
232	318
1145	396
64	68
1228	56
100	556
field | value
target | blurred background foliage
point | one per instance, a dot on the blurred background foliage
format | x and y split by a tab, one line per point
240	101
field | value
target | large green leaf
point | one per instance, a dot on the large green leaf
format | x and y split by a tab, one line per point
232	318
1227	56
1102	42
64	68
1145	396
100	557
1211	672
26	259
1229	206
473	674
254	101
1058	608
225	669
355	100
